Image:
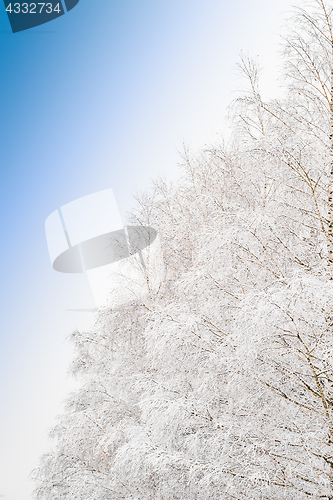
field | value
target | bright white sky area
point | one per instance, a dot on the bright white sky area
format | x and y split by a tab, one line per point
102	97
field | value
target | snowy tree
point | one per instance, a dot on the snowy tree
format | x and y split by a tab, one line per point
219	384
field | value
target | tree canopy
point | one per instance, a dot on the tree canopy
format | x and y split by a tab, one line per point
219	384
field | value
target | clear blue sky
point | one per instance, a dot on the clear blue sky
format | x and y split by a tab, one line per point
101	97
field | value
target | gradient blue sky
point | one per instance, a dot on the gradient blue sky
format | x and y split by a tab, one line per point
101	97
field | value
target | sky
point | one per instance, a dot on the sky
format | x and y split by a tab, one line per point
102	97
